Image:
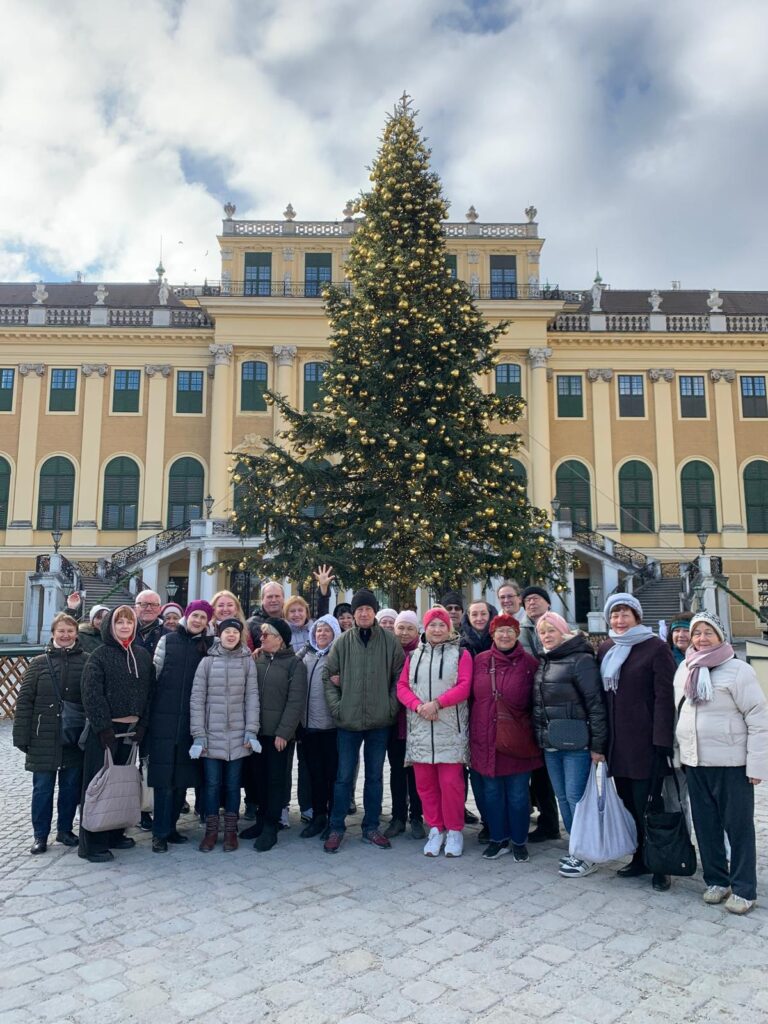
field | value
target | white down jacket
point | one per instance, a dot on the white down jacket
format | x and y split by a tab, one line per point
224	704
432	672
731	729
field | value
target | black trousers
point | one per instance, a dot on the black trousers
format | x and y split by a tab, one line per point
321	760
543	797
406	803
270	768
93	761
304	786
249	779
723	800
634	795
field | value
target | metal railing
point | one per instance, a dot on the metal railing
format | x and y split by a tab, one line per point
621	552
314	290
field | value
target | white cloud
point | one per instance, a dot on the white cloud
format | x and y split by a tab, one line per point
637	130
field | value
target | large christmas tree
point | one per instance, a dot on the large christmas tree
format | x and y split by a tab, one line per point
395	476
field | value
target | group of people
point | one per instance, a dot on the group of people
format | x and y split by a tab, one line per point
515	703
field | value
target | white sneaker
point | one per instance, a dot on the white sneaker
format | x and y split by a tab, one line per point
716	893
434	843
577	868
735	904
454	844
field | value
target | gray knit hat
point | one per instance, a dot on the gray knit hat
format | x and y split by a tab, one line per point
627	599
711	620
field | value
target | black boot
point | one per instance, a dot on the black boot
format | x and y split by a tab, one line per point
315	827
253	831
267	839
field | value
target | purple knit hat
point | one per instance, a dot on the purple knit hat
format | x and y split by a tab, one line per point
198	606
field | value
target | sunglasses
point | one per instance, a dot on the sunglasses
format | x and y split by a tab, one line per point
453	608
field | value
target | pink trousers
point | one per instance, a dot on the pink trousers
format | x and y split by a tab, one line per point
441	788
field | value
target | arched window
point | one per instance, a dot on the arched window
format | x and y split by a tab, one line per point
518	472
636	498
697	488
121	495
508	379
5	484
57	491
755	496
572	487
185	492
253	384
313	384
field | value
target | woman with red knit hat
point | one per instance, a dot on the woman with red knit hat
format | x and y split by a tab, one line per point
434	687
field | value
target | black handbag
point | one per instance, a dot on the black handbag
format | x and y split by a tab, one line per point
567	734
71	714
667	847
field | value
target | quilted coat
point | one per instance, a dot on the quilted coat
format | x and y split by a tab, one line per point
282	692
568	685
224	703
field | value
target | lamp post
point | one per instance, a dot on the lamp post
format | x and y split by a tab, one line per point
703	538
208	499
594	596
170	589
556	508
56	538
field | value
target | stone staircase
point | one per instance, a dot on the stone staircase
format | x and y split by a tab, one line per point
101	591
660	599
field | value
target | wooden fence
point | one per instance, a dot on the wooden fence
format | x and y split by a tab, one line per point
13	665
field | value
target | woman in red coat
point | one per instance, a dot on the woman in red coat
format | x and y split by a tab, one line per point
500	781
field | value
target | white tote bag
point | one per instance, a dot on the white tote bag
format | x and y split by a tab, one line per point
603	829
113	798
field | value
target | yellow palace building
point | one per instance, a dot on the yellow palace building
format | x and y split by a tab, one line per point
645	428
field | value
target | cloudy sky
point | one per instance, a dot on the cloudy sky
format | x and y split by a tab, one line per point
636	129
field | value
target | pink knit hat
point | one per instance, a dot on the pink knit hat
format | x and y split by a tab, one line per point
437	613
555	620
408	616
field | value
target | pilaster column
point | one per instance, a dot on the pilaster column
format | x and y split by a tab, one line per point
666	470
605	497
285	356
193	582
90	450
23	512
732	523
152	515
221	426
538	437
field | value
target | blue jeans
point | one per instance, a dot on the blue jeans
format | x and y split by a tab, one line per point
506	805
70	783
215	774
568	772
375	750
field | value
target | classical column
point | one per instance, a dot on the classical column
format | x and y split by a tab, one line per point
152	513
732	523
90	450
23	514
193	582
538	427
221	428
666	469
605	497
285	356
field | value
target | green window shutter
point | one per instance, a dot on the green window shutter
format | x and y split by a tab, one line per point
503	277
451	265
5	484
636	498
241	483
570	400
573	490
519	473
508	377
313	385
7	377
189	391
253	384
693	402
317	272
121	495
754	404
63	390
631	396
185	492
258	273
125	394
755	496
56	494
697	489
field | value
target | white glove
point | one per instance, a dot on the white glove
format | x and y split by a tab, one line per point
252	741
197	748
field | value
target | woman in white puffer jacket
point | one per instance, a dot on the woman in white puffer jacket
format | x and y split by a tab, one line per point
722	732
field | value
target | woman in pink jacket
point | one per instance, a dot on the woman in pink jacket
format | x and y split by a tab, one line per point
434	687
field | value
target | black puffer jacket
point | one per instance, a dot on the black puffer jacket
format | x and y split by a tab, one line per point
568	685
36	723
117	682
169	737
89	637
282	692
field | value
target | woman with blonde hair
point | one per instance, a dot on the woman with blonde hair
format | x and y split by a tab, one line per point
226	605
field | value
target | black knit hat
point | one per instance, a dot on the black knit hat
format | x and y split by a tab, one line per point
365	598
452	597
341	608
229	624
282	628
540	591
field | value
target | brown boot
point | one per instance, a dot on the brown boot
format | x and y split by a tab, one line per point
211	836
230	832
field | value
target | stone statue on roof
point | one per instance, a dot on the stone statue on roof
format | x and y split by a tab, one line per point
655	300
714	301
597	293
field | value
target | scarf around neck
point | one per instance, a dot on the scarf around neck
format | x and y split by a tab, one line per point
698	687
610	667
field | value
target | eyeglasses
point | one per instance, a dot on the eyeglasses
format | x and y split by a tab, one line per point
453	608
147	604
504	631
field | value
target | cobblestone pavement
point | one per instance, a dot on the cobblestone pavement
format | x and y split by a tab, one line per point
295	935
